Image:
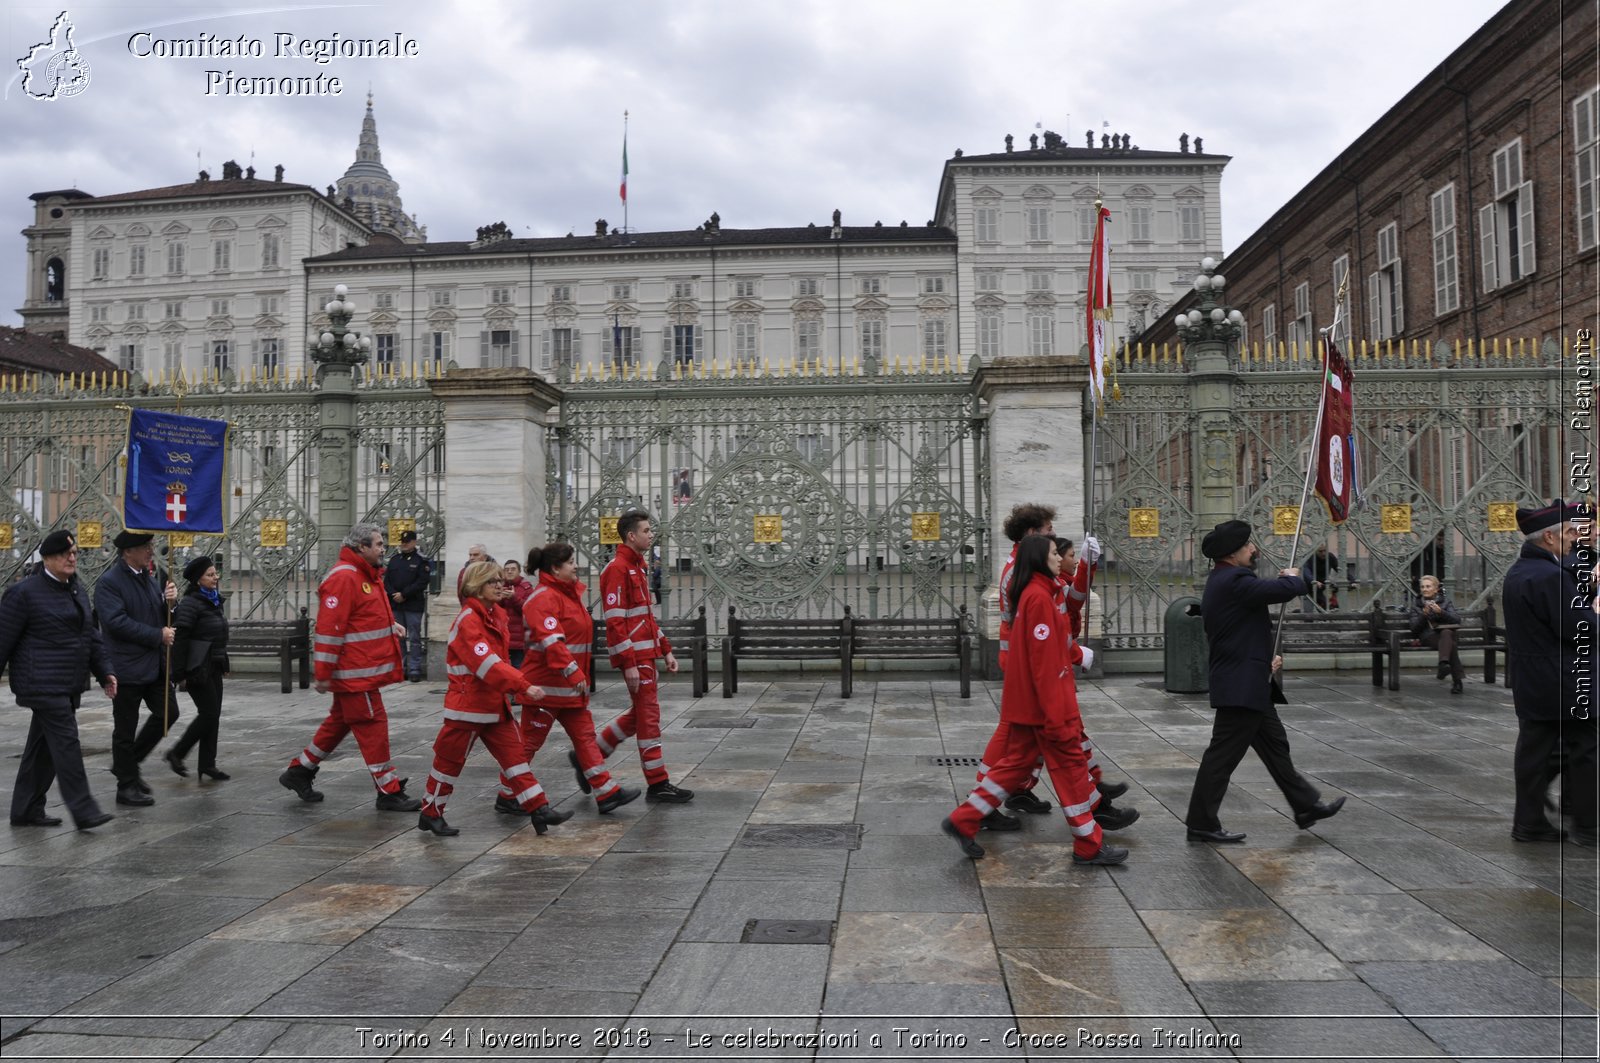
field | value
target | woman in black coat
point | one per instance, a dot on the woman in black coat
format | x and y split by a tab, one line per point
200	660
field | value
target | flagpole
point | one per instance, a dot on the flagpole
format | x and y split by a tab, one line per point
1099	267
624	172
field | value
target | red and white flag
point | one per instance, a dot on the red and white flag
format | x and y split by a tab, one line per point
1336	482
1099	331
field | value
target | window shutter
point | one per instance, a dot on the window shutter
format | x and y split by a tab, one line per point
1375	306
483	349
666	344
1399	302
544	350
699	344
608	335
1525	225
515	358
577	349
1487	248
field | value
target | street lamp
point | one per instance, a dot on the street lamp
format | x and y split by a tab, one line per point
1208	321
339	345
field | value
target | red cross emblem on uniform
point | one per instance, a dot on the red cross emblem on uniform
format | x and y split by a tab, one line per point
176	507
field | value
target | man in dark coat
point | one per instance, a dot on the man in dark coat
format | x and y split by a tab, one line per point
1239	631
48	637
1550	651
134	619
406	579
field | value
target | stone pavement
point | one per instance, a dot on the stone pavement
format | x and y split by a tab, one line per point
807	893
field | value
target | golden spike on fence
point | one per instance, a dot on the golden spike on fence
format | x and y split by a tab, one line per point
1177	354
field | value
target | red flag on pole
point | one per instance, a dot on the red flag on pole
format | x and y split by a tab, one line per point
1099	331
1336	439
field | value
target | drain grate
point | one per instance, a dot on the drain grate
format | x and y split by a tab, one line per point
725	722
801	836
788	932
954	762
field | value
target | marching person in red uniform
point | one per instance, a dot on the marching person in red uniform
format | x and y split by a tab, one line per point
1038	715
356	653
558	662
633	642
475	706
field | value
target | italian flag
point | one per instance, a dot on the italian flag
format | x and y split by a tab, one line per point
624	192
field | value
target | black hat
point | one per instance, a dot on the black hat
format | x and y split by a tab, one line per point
127	540
1224	539
196	568
57	542
1530	521
408	536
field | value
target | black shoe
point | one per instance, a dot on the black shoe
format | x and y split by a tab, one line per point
399	801
545	816
998	820
36	819
129	794
622	796
1107	856
1111	790
175	762
1586	838
1444	670
1026	801
413	679
1455	686
1115	818
507	805
99	819
583	782
1218	835
143	787
1542	833
969	846
672	795
215	773
1321	811
437	825
298	778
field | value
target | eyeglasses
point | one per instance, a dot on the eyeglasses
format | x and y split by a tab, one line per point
487	582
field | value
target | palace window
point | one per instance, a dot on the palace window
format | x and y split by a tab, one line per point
136	260
1586	146
1505	227
1385	297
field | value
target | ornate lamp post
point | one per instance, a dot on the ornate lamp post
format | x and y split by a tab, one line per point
1207	331
336	351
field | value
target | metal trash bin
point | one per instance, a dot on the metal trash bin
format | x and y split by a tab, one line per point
1187	653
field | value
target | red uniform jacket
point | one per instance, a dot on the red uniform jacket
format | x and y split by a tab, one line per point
1071	593
632	637
512	607
356	648
475	659
1007	607
1039	688
559	643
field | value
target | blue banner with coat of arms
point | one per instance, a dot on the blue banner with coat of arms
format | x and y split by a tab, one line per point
177	473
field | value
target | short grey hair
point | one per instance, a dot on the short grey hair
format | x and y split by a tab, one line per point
1557	529
361	535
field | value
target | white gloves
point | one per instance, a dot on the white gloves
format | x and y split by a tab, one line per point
1088	657
1091	549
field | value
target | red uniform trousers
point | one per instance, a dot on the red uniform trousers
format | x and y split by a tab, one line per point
1061	746
450	751
360	713
537	721
643	720
996	749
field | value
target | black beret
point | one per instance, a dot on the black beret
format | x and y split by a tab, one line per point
408	536
196	568
57	542
127	540
1530	521
1224	539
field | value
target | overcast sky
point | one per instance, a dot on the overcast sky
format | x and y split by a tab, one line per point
769	113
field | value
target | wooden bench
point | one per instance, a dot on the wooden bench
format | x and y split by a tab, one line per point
784	640
1337	632
284	639
1478	631
910	640
689	644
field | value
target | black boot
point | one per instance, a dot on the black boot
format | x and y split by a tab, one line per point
1112	818
437	825
399	801
969	846
998	820
130	794
1111	790
507	805
672	795
1027	801
622	796
298	778
577	769
545	816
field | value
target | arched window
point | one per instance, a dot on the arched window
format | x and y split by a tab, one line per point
55	281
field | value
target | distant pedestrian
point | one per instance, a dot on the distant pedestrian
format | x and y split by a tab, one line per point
513	593
50	647
200	661
1239	630
407	579
134	606
1550	653
1435	623
475	552
1430	561
1318	572
655	579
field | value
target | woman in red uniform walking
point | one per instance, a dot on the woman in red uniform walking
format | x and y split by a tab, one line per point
475	705
1039	715
558	661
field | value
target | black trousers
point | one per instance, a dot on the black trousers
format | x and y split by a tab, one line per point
1537	741
205	690
1234	731
51	752
131	743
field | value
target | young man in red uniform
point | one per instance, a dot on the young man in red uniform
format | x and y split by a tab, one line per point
633	642
356	653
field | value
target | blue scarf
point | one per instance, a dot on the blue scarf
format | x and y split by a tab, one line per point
212	596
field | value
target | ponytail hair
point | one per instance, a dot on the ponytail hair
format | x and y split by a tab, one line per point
546	558
1033	556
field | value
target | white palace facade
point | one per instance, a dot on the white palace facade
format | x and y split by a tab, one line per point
228	274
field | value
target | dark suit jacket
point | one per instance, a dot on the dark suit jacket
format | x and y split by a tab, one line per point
48	639
1548	623
1239	631
132	613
